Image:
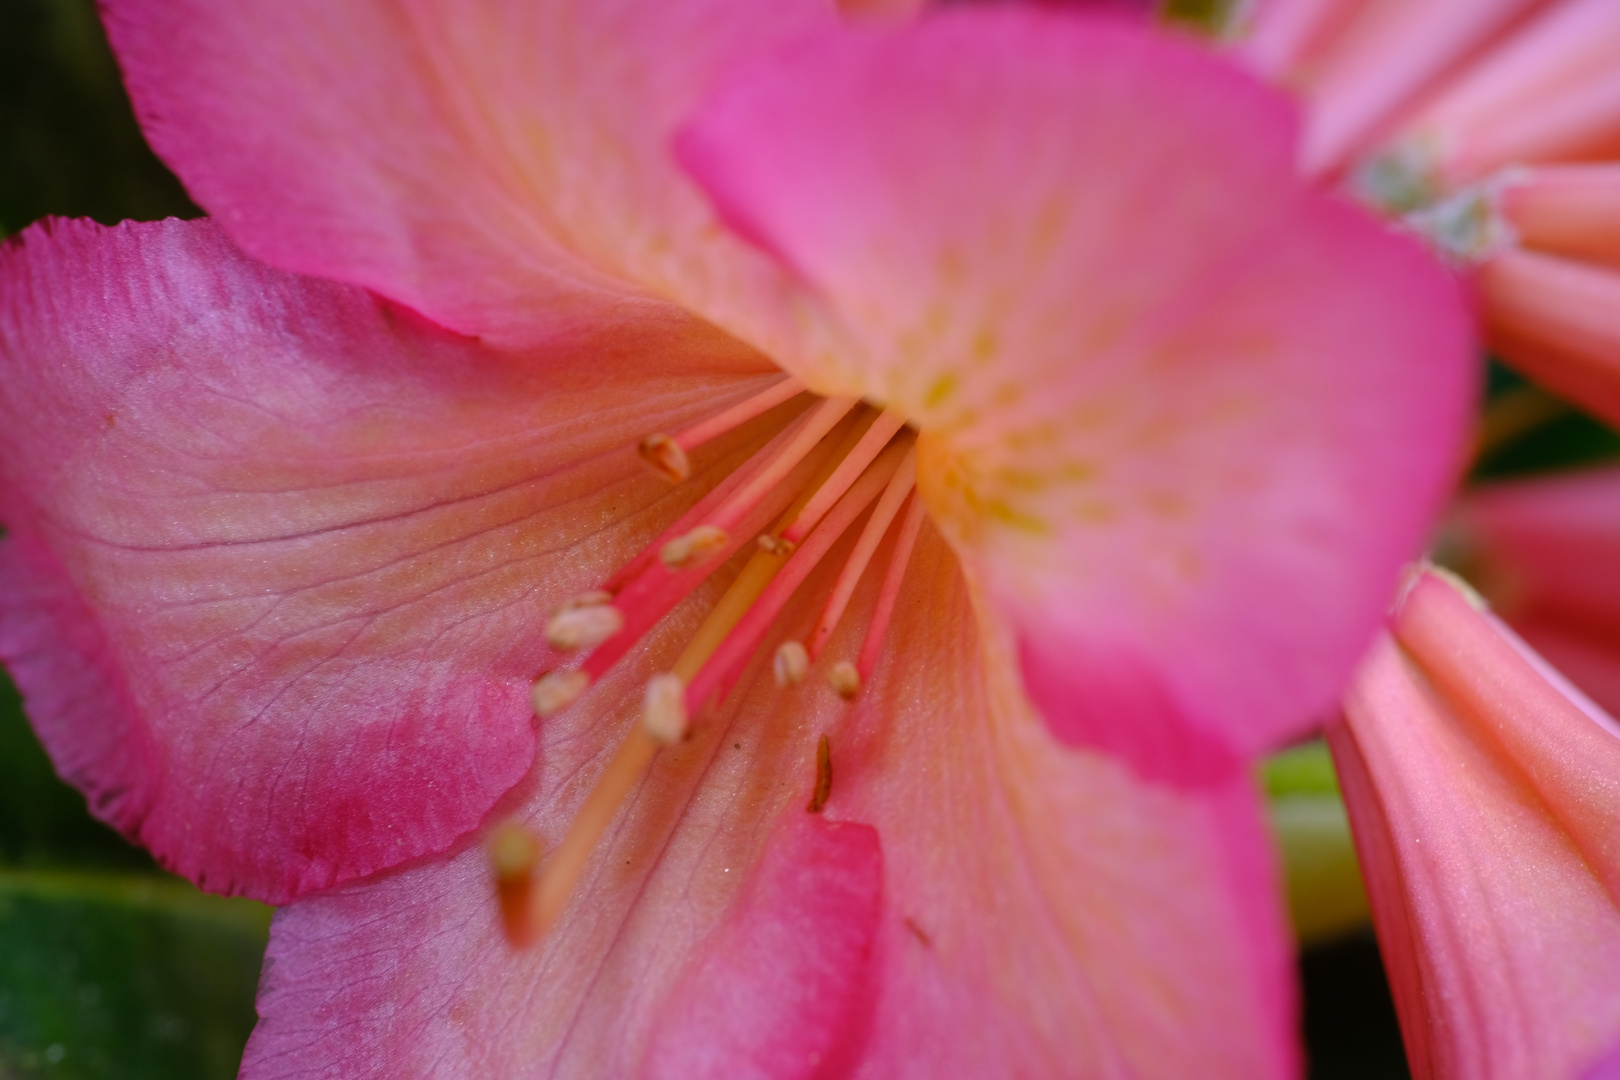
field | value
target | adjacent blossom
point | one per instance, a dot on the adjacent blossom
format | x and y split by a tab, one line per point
301	501
1484	792
1493	126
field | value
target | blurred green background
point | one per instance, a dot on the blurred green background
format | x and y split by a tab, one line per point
110	968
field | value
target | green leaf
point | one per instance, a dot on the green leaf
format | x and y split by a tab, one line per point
127	976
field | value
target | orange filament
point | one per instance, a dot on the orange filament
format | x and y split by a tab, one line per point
817	478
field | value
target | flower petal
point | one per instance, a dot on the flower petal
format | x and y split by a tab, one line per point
489	164
281	552
1553	319
1182	417
1485	800
1041	912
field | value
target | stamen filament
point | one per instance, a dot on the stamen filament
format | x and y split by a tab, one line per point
738	414
887	425
636	752
904	542
728	661
822	419
655	592
888	507
704	507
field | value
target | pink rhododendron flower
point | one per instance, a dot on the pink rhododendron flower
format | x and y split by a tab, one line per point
1493	126
1484	793
1102	440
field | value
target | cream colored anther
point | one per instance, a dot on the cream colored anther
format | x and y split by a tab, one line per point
556	690
584	627
790	664
694	547
663	714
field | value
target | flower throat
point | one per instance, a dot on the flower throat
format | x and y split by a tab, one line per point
812	482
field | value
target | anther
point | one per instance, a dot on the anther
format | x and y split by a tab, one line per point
584	627
823	788
845	680
593	598
514	854
666	457
775	545
791	664
663	714
556	690
693	547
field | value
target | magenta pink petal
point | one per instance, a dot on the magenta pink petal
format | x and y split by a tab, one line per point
782	988
1184	433
280	553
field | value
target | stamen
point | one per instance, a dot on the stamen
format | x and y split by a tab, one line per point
664	714
894	497
667	454
791	664
666	457
514	853
887	425
822	419
584	627
704	507
846	476
640	745
556	690
728	661
823	788
844	679
653	594
693	547
904	542
593	598
738	414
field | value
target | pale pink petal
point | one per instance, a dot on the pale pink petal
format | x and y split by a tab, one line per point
1557	321
1041	912
483	162
1384	58
1183	418
1485	803
281	552
1569	210
1550	91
